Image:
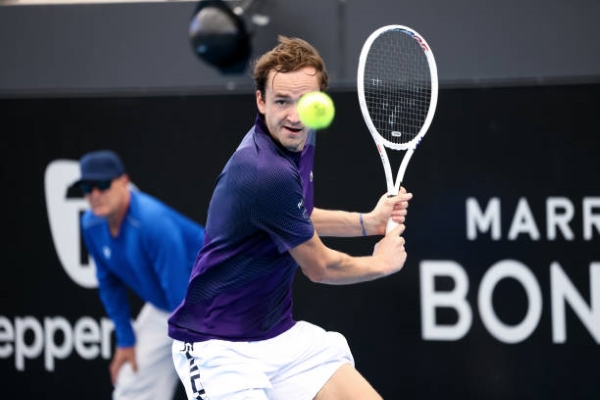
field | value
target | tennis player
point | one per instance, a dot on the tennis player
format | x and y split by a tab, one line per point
235	336
139	244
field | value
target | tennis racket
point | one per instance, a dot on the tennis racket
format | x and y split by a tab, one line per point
397	91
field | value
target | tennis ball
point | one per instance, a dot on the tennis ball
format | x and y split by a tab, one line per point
316	110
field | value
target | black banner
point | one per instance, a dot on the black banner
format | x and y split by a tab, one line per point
499	298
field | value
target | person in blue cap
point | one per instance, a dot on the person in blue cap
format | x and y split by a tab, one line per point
142	245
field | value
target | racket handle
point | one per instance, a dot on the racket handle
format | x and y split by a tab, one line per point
390	225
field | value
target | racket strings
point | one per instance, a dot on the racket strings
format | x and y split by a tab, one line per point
397	86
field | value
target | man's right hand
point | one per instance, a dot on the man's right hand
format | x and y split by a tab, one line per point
122	355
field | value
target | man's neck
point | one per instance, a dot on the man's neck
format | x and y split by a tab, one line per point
116	220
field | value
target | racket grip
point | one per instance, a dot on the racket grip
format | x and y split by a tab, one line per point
390	225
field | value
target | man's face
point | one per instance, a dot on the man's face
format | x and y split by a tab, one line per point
282	92
106	202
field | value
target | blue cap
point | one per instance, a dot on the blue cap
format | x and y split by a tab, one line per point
101	165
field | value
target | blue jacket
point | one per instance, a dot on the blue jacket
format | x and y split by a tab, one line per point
153	256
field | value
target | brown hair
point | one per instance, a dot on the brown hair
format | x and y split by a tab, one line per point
291	54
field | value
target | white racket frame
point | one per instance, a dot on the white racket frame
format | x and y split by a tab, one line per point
393	187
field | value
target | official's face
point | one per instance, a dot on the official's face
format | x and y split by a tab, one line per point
108	202
279	105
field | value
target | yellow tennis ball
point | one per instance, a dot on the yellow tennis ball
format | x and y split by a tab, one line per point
316	110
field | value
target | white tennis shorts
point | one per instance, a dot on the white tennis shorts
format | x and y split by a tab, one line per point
292	366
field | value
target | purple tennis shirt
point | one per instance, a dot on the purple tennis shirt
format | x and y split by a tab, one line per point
240	288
